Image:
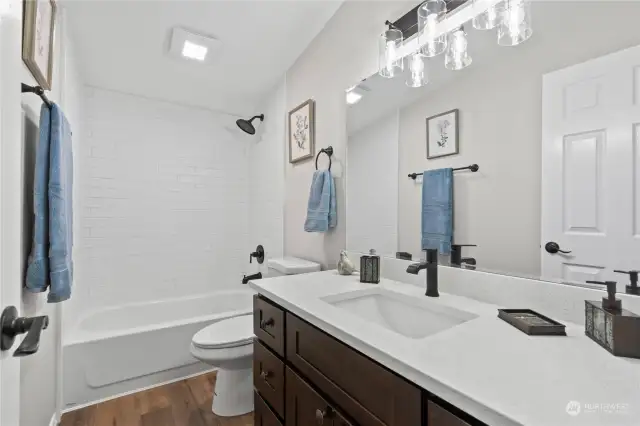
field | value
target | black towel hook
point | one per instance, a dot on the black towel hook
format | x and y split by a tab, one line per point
329	151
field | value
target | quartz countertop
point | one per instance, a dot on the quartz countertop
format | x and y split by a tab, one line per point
484	366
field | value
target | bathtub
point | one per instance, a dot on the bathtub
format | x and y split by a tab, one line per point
119	350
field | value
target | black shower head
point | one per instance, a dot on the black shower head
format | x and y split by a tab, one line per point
246	125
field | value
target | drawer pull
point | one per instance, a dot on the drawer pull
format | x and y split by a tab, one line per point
265	376
266	323
321	415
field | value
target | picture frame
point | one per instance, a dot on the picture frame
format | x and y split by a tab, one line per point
38	29
443	134
302	132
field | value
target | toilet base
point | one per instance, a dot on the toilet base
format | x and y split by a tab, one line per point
233	393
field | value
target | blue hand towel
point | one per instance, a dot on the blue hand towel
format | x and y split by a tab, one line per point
321	210
50	263
437	210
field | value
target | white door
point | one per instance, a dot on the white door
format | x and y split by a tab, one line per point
10	198
590	169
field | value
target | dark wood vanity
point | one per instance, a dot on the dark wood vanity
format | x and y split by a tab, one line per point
303	376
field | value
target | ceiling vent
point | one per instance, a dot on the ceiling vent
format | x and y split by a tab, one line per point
192	47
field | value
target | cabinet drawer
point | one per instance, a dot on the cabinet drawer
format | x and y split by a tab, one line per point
438	416
371	394
306	408
263	416
268	324
268	377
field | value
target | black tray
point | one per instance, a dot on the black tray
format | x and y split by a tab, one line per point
531	322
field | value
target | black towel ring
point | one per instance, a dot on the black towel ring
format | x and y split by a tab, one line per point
329	151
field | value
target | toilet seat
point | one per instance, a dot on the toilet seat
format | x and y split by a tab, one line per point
228	333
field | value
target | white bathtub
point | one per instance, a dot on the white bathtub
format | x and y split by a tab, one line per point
119	350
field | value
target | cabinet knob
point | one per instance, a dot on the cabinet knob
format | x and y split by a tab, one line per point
266	323
265	375
321	415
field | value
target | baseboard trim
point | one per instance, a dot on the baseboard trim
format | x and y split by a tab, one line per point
98	401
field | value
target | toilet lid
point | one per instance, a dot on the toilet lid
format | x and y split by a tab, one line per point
228	333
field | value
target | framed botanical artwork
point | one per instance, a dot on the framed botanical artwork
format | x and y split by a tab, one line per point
37	39
302	131
442	134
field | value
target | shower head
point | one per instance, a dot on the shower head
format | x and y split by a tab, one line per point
246	125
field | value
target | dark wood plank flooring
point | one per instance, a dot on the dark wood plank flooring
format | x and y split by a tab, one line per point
183	403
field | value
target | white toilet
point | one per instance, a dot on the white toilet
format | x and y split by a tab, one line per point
228	345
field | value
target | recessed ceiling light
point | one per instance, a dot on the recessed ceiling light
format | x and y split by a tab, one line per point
194	51
187	45
355	93
353	97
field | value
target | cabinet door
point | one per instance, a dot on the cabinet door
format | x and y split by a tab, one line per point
263	416
368	392
306	408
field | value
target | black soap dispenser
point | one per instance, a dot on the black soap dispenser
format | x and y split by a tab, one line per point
615	329
370	268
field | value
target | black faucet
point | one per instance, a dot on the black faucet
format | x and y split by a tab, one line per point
247	278
456	255
431	265
632	288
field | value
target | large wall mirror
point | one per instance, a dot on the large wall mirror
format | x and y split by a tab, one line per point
554	127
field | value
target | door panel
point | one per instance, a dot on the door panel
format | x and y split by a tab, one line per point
590	182
10	196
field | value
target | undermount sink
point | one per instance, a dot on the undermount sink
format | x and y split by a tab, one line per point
413	317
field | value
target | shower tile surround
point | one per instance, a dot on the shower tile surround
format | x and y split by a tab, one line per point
163	193
477	365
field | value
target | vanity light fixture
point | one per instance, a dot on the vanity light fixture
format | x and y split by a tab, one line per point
457	56
390	60
430	13
488	19
417	76
515	22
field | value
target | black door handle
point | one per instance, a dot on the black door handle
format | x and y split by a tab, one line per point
11	325
553	248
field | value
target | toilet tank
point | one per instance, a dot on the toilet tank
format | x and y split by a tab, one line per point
290	266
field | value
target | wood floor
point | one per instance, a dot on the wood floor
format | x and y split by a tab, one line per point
183	403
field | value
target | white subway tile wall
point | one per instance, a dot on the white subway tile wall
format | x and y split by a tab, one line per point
162	208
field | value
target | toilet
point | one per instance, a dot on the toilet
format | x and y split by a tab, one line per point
228	346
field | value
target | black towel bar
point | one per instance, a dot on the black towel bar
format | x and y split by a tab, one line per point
473	168
329	151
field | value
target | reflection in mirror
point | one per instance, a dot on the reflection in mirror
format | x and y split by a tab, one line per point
553	126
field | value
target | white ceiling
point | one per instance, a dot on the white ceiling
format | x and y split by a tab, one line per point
122	44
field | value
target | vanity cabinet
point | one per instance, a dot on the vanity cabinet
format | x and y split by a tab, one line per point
303	377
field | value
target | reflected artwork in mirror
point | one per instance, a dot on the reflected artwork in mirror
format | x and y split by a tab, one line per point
549	198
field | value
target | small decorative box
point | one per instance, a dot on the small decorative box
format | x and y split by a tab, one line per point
370	268
616	330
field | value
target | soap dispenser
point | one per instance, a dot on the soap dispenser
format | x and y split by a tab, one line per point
615	329
370	268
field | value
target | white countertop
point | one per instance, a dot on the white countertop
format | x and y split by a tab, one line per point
484	366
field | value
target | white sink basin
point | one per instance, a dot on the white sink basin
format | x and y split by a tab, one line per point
413	317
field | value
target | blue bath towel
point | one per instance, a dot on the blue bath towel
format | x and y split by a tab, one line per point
437	210
50	263
321	210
